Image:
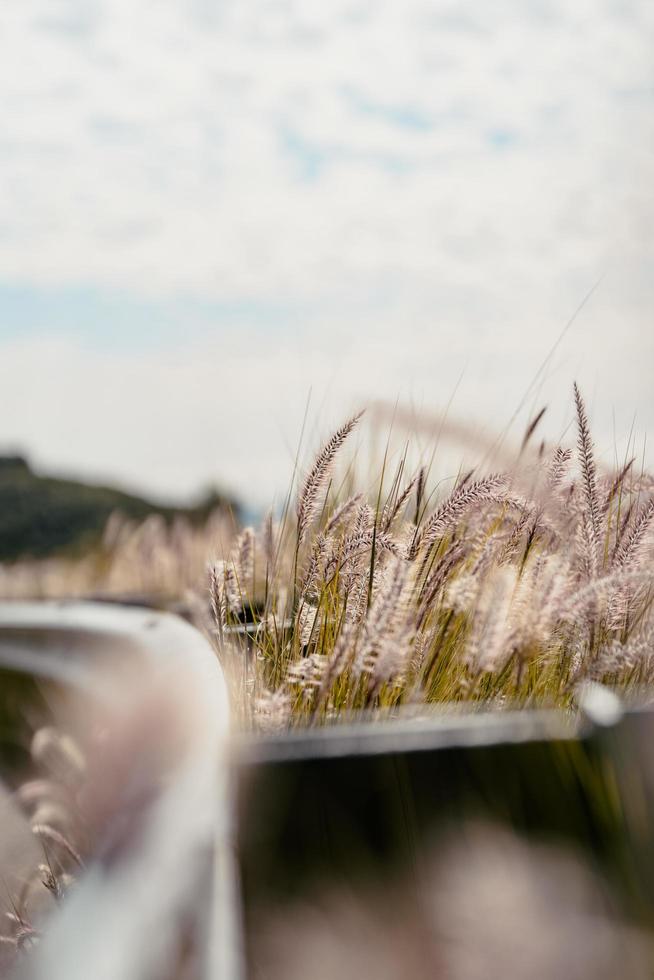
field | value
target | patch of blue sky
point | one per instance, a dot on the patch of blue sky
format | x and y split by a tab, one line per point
402	116
311	159
105	318
501	139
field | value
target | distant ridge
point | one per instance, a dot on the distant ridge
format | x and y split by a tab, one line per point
42	516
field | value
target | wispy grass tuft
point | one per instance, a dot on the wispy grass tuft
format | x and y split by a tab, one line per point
511	589
308	502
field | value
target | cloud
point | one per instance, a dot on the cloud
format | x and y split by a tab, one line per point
363	198
167	147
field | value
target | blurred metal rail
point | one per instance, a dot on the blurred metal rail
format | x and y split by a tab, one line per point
183	864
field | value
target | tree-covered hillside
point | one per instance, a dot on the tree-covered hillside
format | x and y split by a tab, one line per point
41	515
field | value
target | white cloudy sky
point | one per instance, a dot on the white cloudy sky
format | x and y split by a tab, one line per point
209	208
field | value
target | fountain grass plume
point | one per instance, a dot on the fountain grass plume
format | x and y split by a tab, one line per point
511	589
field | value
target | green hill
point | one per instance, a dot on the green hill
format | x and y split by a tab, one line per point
42	516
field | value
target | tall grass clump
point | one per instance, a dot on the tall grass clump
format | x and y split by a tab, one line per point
512	587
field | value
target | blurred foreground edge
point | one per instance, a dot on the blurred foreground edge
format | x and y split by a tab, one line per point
354	824
317	810
118	921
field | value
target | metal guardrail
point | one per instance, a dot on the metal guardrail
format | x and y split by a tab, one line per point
125	910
